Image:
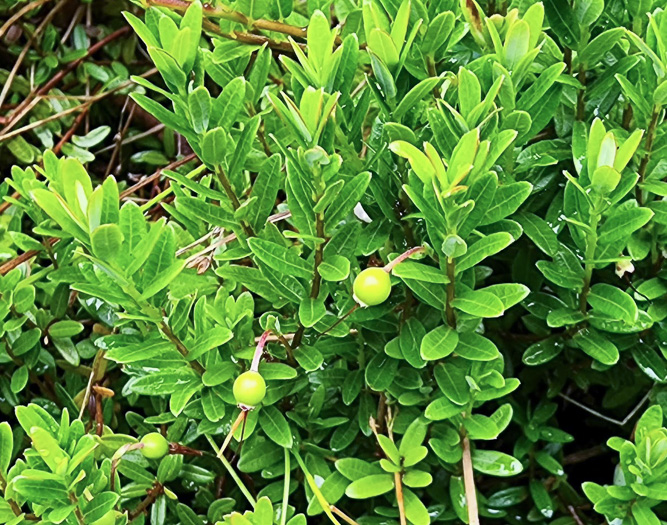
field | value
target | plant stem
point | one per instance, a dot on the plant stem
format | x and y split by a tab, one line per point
469	482
648	146
344	516
235	425
234	16
153	494
451	292
581	106
180	346
14	506
399	497
77	510
316	490
227	186
405	255
340	320
254	366
317	278
231	472
589	265
319	255
286	480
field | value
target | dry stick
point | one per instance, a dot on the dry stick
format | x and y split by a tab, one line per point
399	497
240	419
89	100
16	16
342	515
45	22
469	482
134	138
144	182
229	238
15	195
39	123
119	139
55	80
618	422
575	516
16	261
468	475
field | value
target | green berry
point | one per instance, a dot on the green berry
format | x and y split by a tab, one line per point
249	389
372	286
155	446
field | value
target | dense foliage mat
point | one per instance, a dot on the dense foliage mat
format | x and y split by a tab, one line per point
364	262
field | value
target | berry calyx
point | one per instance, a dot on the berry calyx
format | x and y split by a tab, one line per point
372	286
249	389
155	446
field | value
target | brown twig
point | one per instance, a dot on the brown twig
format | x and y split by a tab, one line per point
55	80
225	13
151	178
16	16
40	28
153	494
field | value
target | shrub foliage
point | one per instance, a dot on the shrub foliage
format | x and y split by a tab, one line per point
499	166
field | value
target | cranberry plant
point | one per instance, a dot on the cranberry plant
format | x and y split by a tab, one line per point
408	270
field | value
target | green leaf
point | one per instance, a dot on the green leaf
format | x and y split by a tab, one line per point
438	343
370	486
597	346
483	248
102	503
6	447
441	409
479	303
334	268
43	491
507	199
562	21
452	382
281	258
311	311
613	302
107	241
199	103
419	162
600	45
415	510
275	426
243	147
543	351
347	199
475	347
494	463
539	231
622	222
516	43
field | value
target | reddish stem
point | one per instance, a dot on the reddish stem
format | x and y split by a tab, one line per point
254	366
406	255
